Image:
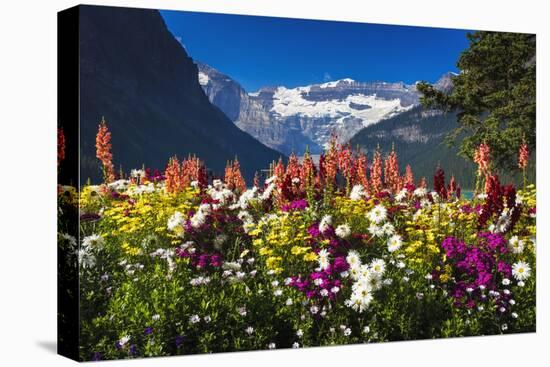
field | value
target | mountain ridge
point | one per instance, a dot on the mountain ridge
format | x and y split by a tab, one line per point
138	76
292	120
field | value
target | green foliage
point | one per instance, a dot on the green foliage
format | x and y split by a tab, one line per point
493	95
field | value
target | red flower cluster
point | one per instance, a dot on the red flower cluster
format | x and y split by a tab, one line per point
60	146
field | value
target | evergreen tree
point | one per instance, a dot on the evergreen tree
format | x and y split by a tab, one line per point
493	95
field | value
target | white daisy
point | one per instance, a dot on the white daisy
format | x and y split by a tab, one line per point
323	259
516	245
249	330
231	265
521	270
420	192
93	241
176	220
401	195
194	319
394	243
388	229
325	223
353	259
343	231
357	193
377	214
375	230
377	266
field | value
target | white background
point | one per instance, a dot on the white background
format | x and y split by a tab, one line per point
27	179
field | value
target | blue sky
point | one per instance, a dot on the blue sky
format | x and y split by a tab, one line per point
266	51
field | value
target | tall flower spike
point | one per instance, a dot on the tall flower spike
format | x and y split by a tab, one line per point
103	151
279	172
331	162
238	180
293	167
361	169
228	177
346	164
172	175
60	146
409	177
523	156
439	183
391	172
307	173
451	187
376	172
482	157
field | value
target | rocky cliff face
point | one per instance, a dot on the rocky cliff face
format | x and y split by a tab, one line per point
291	119
445	83
135	74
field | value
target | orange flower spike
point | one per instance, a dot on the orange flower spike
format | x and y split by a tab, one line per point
171	174
361	171
346	163
293	167
393	179
331	161
228	177
279	172
452	187
523	156
238	180
103	151
482	157
391	172
307	172
409	177
376	172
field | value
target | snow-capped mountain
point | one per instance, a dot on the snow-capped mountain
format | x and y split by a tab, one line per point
291	119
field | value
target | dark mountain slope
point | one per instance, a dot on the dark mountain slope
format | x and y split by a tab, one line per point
418	138
135	74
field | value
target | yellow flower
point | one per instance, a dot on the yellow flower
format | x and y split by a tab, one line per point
130	250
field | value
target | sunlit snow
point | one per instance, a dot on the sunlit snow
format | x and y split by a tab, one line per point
203	78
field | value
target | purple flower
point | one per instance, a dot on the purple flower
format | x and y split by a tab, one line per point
133	349
313	230
148	331
96	356
216	261
89	217
340	264
179	340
